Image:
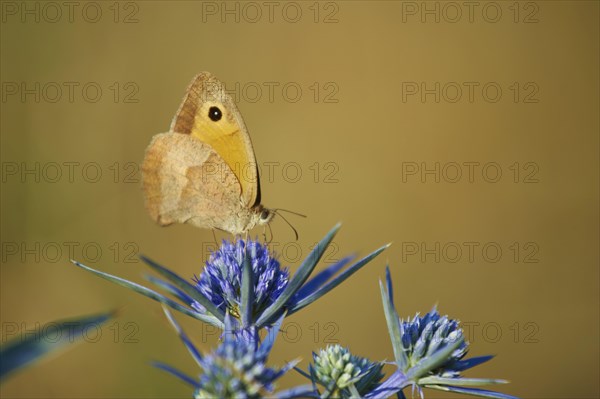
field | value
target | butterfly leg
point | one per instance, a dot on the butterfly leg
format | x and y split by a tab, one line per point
215	237
264	234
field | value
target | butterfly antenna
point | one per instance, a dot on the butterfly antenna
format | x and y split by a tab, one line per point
276	211
288	211
270	233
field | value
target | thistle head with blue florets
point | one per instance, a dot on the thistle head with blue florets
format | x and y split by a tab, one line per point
237	368
429	352
221	279
343	374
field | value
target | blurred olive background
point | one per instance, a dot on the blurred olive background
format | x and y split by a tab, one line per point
340	100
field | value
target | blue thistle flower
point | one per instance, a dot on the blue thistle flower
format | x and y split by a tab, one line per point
424	336
244	279
343	374
237	368
221	279
429	352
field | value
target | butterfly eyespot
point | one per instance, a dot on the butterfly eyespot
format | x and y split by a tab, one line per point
264	215
215	114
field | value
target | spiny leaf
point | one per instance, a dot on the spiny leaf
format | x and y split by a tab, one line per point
473	391
152	295
336	281
393	324
186	287
299	278
21	352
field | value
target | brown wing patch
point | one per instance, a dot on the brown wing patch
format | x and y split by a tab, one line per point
185	179
204	87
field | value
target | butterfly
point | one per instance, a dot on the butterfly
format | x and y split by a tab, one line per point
203	171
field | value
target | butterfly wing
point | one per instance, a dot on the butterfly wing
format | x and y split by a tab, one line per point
210	114
186	181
